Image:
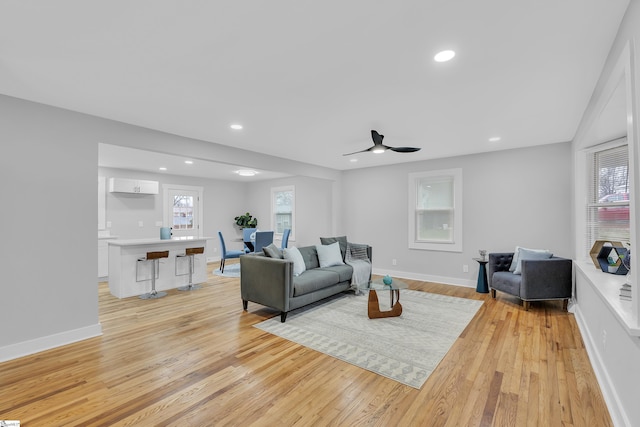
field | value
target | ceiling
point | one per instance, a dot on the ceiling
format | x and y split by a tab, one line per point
308	80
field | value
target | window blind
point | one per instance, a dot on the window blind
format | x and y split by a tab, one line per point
609	194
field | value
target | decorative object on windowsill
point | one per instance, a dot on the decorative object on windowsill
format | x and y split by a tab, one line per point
387	280
597	247
611	259
483	254
246	221
625	292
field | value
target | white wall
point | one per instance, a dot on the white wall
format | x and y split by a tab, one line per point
511	197
614	353
48	248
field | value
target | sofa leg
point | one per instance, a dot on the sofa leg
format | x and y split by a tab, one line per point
283	316
525	305
245	304
493	293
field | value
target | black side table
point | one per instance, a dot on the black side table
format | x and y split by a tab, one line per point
483	284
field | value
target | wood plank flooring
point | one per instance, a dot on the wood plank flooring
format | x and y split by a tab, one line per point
194	359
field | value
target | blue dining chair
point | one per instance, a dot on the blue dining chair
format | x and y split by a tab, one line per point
263	238
225	254
246	237
285	238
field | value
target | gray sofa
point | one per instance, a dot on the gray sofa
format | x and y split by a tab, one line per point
270	281
547	279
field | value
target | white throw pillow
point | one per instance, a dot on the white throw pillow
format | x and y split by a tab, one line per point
294	255
329	255
528	254
516	256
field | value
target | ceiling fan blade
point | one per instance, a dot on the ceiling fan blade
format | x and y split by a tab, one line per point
404	149
377	138
356	152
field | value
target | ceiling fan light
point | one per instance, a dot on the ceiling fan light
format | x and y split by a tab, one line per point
246	172
378	150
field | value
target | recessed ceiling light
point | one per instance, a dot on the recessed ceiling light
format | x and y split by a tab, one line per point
189	162
444	56
246	172
236	126
353	160
494	139
162	168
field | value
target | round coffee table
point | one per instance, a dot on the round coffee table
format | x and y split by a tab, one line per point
394	287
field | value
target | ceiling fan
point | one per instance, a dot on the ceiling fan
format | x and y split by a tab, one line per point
379	147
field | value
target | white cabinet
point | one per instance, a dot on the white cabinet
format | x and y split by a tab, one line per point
137	186
103	256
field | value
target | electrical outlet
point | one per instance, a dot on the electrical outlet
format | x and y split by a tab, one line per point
465	268
140	224
394	262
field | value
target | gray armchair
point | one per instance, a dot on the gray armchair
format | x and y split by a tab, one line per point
548	279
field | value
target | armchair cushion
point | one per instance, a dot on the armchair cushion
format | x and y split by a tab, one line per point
530	254
516	256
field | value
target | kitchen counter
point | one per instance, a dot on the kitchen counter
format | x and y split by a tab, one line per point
130	277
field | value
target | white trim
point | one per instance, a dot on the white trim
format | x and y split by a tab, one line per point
25	348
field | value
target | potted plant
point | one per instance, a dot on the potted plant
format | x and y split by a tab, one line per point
246	221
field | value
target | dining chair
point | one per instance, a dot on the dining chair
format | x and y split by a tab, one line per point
225	254
263	238
285	238
246	237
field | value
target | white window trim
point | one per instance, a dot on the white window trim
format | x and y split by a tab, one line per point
456	244
274	190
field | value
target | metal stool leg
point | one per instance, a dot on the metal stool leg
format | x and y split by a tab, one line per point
153	294
191	285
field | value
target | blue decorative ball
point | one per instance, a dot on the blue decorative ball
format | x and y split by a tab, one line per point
387	280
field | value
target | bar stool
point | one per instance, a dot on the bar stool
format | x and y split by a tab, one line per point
190	253
154	257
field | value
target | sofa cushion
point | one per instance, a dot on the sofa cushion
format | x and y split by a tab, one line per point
310	257
294	255
312	280
342	240
329	255
506	281
527	254
357	251
272	251
344	272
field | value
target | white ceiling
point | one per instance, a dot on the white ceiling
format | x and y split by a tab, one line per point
310	79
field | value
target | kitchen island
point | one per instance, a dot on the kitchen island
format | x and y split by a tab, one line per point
128	277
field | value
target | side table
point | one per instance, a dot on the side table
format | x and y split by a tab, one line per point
483	284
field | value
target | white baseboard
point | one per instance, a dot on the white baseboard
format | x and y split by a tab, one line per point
427	278
25	348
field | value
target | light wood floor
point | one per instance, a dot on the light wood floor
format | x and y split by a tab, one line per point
194	359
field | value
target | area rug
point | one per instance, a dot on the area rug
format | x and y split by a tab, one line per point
406	348
231	270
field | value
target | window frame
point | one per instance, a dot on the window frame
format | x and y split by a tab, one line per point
455	243
274	191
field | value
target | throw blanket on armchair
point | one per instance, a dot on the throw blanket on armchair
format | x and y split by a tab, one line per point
356	257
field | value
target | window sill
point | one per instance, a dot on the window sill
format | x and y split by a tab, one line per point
607	286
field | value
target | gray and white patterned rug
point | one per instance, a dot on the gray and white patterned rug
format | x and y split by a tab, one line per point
406	348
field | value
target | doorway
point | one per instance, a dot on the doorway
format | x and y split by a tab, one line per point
183	209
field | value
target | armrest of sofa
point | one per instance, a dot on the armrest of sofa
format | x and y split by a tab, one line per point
498	262
266	281
546	279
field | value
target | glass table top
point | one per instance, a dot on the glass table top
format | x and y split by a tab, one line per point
378	285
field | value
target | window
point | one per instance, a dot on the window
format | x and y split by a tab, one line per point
283	209
435	210
183	209
608	192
